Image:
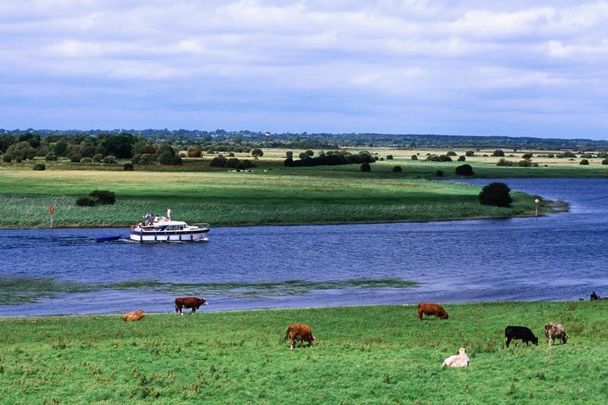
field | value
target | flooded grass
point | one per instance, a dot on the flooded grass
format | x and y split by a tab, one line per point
29	289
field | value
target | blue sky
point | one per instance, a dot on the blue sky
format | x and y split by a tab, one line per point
515	68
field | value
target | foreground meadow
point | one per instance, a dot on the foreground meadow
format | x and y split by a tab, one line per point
378	354
319	195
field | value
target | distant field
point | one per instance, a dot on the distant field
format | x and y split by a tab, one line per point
279	196
379	354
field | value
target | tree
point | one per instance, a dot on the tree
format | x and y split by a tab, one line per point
365	167
289	155
498	152
584	162
497	194
451	153
414	157
527	155
389	157
397	169
194	151
461	158
120	145
464	170
469	153
257	152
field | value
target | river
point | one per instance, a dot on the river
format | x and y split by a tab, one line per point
553	257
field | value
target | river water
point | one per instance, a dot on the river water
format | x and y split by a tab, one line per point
554	257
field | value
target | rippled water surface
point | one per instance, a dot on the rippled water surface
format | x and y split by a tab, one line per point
557	257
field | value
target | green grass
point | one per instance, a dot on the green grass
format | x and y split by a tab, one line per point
378	354
320	195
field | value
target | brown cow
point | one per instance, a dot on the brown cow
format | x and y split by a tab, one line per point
133	315
298	331
188	302
555	331
428	308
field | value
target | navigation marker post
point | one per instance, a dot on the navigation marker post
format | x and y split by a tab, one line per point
536	202
52	212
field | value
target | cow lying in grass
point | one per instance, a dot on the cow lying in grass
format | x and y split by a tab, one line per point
428	308
298	331
555	331
520	333
458	360
133	316
188	302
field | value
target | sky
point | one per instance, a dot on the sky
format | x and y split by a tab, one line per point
513	68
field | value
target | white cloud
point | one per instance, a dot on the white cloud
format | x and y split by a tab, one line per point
437	55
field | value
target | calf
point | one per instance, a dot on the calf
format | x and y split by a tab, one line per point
298	331
133	316
521	333
555	331
188	302
458	360
428	308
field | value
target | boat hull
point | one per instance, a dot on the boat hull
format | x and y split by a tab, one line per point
187	236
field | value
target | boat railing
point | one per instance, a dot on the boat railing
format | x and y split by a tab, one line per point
202	225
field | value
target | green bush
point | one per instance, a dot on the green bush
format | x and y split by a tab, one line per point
414	157
397	169
50	157
365	167
605	162
464	170
97	158
39	166
389	157
128	167
451	153
497	194
584	162
461	158
86	160
103	196
110	159
86	201
469	153
498	152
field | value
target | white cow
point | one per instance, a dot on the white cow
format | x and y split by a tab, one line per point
458	360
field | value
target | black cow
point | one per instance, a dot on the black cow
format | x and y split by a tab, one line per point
521	333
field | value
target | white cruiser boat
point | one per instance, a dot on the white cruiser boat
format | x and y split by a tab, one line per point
164	229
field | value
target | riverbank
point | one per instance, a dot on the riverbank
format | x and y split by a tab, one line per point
230	199
374	354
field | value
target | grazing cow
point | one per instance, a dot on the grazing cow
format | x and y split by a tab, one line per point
521	333
133	316
428	308
188	302
298	331
458	360
555	331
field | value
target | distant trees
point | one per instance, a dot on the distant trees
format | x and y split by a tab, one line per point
496	194
330	158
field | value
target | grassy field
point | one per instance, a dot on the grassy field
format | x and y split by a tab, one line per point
378	354
278	196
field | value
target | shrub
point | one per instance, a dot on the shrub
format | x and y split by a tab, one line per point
86	201
584	162
39	166
461	158
97	158
605	162
194	151
109	159
128	167
498	152
103	196
439	173
50	157
86	160
397	169
525	163
469	153
566	154
464	170
497	194
75	157
414	157
6	158
257	152
451	153
218	161
365	167
504	162
389	157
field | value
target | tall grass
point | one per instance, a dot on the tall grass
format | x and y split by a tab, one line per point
379	354
239	198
